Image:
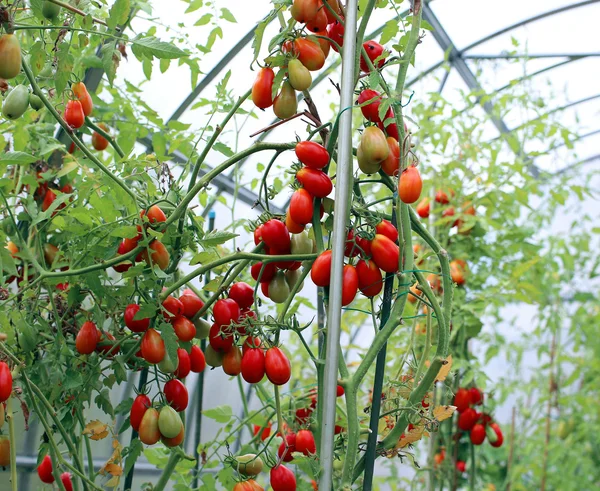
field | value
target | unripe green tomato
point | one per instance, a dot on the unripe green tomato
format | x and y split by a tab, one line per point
166	365
202	328
249	464
366	165
169	422
301	243
8	227
35	102
279	290
50	10
292	276
338	464
213	358
285	104
300	77
16	103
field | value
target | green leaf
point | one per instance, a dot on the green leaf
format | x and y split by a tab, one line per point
64	68
103	402
221	414
110	60
203	258
37	58
259	33
215	238
227	15
152	47
167	333
17	158
205	19
118	13
389	31
224	149
135	450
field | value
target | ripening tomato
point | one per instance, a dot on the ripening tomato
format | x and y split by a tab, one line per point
423	208
10	56
461	466
149	430
477	434
277	366
320	272
304	10
213	358
276	235
467	419
386	228
98	141
364	244
335	6
176	440
197	360
253	365
44	470
65	478
262	87
370	280
263	272
160	255
476	396
335	32
242	293
386	253
315	181
83	96
312	154
292	226
184	328
49	198
410	185
169	422
309	53
226	311
232	362
184	364
155	215
499	436
278	288
192	304
371	110
87	338
202	328
282	479
441	197
74	115
319	23
349	284
374	50
135	325
139	407
153	347
373	149
435	282
266	431
305	442
458	272
391	165
176	395
301	207
286	454
6	382
219	340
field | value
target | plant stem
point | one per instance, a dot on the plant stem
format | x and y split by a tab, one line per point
77	11
105	134
169	468
87	445
13	445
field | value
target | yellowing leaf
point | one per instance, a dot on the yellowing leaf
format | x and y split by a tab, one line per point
96	429
445	370
113	482
443	412
411	436
113	469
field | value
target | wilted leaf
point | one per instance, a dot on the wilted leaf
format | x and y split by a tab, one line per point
445	370
96	429
443	412
411	436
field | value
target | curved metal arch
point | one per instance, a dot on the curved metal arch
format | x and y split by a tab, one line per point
581	163
578	138
508	56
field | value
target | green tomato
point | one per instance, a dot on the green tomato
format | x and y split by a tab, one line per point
166	365
169	422
292	276
16	103
285	104
213	358
35	102
279	290
301	243
249	464
202	328
300	77
50	10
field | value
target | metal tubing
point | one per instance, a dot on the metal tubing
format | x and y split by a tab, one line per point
507	56
342	198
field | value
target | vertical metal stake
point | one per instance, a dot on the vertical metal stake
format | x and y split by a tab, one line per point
342	197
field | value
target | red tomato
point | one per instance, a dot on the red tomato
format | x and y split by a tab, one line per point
249	343
140	404
391	165
441	197
65	478
282	479
312	154
44	470
301	207
87	338
309	53
386	253
83	96
292	226
262	87
370	280
320	272
364	244
159	254
275	234
184	365
423	208
458	273
351	249
305	10
220	341
149	431
390	129
266	431
462	399
49	198
476	396
153	347
340	391
335	6
197	360
253	365
319	23
184	328
191	304
135	325
232	361
175	441
277	366
335	32
173	307
74	115
226	311
98	141
176	395
242	293
478	434
155	214
268	272
305	442
386	228
282	453
264	288
461	466
6	382
371	110
410	185
315	181
500	437
349	284
108	349
467	419
449	212
374	50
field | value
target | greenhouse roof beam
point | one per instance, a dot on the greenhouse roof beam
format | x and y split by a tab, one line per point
509	56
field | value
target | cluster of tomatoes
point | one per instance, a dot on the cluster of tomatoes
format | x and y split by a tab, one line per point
472	421
423	209
45	474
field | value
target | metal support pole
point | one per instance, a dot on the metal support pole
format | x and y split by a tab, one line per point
342	199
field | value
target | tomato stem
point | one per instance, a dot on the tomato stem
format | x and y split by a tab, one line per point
13	445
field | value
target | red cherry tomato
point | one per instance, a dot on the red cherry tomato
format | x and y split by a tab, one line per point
268	272
320	272
312	154
315	181
226	311
262	88
477	434
292	226
242	293
301	207
197	360
139	325
266	431
98	141
276	235
232	361
351	249
155	215
286	454
410	185
176	395
184	364
49	198
462	399
385	253
386	228
391	165
65	478
44	470
349	284
467	419
335	32
374	50
305	442
153	347
140	404
499	436
108	349
282	479
305	10
340	391
371	110
423	208
277	366
461	466
370	280
319	23
441	197
364	245
184	328
253	365
173	307
74	115
220	341
87	338
192	303
476	396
